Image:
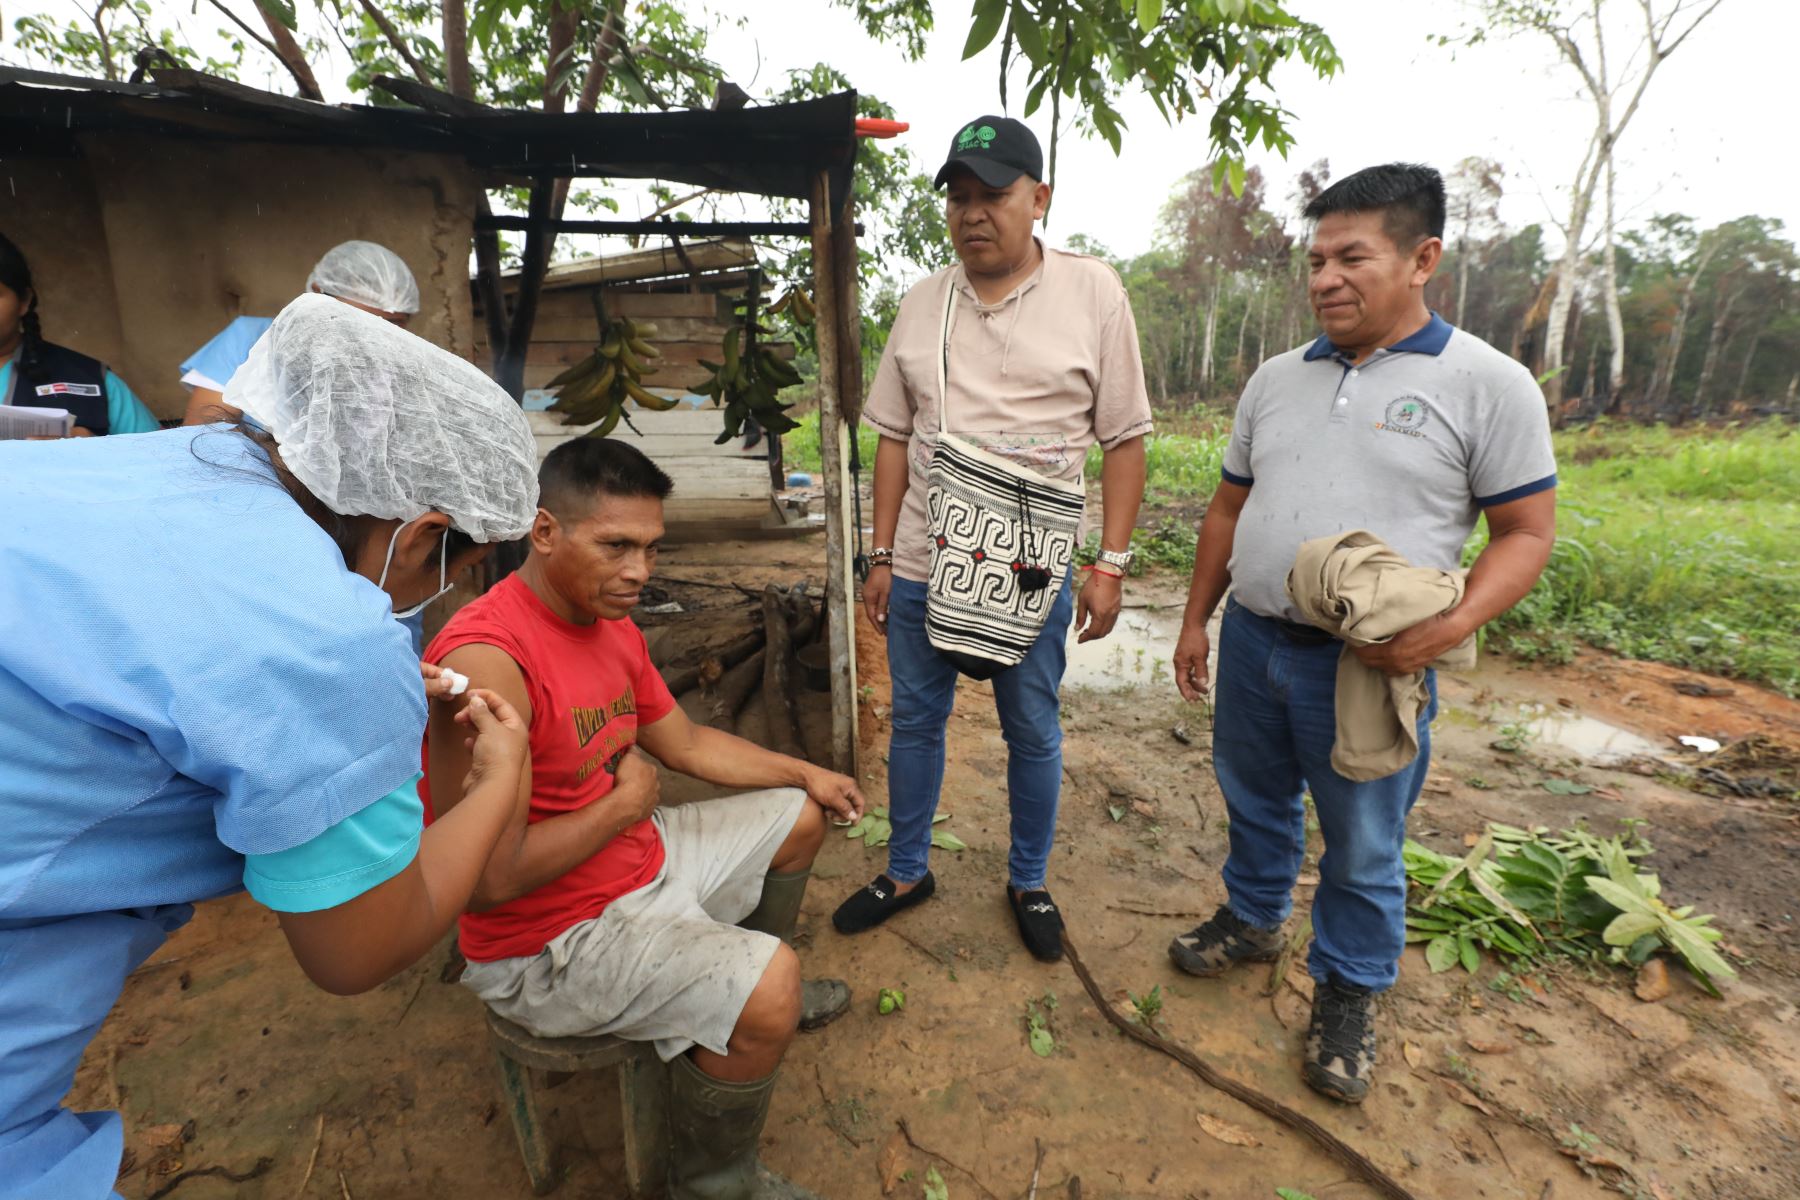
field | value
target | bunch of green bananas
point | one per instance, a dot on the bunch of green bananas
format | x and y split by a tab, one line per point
747	383
596	388
796	299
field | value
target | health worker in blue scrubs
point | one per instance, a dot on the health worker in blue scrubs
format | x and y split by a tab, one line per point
204	688
35	373
364	275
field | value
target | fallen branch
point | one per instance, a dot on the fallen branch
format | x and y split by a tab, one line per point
258	1171
1036	1168
933	955
973	1178
1139	910
733	692
1365	1170
684	678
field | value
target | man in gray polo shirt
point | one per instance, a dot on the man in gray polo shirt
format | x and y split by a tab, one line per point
1394	422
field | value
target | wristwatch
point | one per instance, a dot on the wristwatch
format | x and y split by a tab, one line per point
1118	558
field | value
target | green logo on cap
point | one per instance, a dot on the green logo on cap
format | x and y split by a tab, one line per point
976	136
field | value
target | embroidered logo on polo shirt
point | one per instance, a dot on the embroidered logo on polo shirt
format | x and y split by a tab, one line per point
1405	415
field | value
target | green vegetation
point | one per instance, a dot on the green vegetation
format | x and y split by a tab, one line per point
1678	545
800	449
1528	895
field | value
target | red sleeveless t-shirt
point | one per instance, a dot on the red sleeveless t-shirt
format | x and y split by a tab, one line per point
591	687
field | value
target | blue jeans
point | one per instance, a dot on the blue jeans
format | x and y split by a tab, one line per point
1273	730
1025	696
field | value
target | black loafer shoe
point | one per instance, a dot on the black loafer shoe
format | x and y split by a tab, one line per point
880	900
1040	923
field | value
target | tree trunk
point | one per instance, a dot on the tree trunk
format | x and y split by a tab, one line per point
1262	321
1237	358
1715	342
290	54
1615	321
733	691
98	17
599	67
456	49
1743	380
1211	334
1671	360
1462	282
509	368
1562	299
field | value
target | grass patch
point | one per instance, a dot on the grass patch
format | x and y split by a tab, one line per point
1677	545
800	447
1177	466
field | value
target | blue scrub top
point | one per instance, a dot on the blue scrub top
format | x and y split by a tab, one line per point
189	675
125	413
219	359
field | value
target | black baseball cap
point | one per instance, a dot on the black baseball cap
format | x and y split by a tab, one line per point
997	149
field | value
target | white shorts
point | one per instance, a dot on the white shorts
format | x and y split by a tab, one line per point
666	963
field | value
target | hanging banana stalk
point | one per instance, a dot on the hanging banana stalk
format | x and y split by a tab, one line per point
748	381
596	388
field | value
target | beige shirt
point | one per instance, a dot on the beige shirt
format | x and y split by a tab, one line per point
1038	377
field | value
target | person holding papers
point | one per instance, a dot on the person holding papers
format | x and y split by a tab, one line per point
36	374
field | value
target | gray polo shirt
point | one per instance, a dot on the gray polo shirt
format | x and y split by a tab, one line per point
1411	445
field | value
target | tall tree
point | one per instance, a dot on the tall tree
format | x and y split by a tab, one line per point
1475	186
1615	85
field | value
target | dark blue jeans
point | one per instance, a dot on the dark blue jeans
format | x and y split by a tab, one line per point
1273	729
1025	696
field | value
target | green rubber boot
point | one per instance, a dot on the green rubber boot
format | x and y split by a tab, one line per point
822	1001
714	1128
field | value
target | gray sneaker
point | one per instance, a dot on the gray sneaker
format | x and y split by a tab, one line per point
1222	941
1340	1042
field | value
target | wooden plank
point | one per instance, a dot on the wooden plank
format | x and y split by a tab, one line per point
661	304
578	304
653	262
834	450
582	328
567	354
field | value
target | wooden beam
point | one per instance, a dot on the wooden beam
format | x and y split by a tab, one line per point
685	228
834	450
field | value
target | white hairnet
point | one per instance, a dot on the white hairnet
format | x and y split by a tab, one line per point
376	421
368	274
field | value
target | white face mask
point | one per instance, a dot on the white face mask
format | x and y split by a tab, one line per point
444	583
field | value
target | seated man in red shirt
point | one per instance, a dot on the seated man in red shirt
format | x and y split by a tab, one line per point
600	912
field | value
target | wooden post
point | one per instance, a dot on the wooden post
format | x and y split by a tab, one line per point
834	454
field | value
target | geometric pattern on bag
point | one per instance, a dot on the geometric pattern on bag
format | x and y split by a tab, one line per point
975	607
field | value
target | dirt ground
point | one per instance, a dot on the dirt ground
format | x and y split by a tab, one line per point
224	1059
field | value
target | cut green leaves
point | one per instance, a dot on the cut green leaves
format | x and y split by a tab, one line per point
1531	894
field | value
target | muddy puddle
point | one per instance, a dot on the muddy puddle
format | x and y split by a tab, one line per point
1597	741
1135	655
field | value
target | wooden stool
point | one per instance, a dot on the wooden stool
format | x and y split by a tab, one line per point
528	1063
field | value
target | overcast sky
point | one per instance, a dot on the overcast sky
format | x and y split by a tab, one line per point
1710	140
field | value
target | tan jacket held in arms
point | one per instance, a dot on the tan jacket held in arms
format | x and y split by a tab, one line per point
1355	587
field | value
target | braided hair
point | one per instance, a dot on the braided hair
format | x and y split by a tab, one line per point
15	275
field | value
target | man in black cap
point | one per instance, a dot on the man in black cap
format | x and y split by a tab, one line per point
1038	353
